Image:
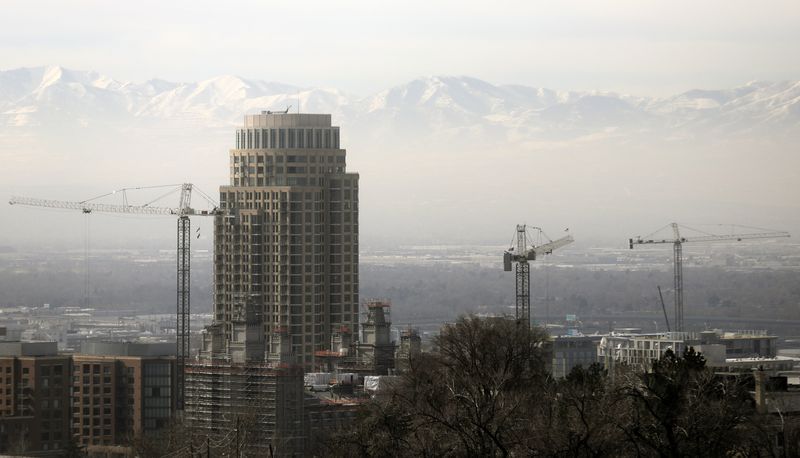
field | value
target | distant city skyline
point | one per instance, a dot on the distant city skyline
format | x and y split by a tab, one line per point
631	47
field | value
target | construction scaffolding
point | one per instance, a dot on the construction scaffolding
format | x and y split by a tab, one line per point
253	409
372	354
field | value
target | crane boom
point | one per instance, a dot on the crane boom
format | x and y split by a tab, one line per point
677	243
521	254
182	211
708	238
88	207
547	248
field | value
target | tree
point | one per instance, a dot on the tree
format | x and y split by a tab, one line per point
72	449
576	419
485	392
472	396
680	408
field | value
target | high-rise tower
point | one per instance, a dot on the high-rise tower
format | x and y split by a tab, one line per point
286	242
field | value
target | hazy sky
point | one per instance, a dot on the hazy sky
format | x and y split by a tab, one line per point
642	47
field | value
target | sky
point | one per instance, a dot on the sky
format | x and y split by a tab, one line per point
647	48
639	47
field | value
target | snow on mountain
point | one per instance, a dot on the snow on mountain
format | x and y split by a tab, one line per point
46	96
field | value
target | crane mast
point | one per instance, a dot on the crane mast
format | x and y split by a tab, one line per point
182	211
677	242
184	309
521	254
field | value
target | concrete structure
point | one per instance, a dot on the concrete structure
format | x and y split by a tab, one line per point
372	354
287	241
121	391
326	413
570	351
638	349
742	344
410	346
717	346
34	398
263	402
772	366
375	352
243	382
285	285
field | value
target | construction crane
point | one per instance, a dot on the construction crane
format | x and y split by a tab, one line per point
677	242
521	253
183	211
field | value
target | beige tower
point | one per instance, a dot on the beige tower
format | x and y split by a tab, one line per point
286	242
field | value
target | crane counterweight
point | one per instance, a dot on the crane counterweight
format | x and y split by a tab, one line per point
521	254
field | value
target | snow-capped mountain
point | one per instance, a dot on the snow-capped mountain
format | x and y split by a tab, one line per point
46	96
439	156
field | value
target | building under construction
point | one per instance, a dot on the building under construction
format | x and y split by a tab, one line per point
242	398
286	288
372	354
410	345
256	409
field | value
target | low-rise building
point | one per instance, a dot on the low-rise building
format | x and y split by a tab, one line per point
34	398
121	391
571	351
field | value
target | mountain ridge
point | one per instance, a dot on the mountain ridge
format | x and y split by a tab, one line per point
38	96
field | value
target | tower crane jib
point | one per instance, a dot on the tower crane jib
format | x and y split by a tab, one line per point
183	211
677	241
520	253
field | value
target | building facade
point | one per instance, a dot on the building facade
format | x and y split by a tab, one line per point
34	398
121	391
571	351
286	240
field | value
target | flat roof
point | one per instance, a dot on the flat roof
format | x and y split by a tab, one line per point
28	348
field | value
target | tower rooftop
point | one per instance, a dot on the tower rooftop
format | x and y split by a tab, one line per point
267	119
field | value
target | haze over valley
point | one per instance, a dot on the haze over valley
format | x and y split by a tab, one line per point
442	159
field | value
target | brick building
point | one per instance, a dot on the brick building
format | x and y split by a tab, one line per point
121	391
34	398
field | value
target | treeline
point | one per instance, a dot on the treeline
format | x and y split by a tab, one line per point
423	292
486	392
435	291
